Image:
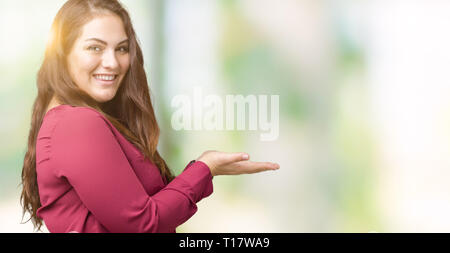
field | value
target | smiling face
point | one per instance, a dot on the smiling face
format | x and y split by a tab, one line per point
99	59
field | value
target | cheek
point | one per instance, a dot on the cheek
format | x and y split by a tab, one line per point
83	65
125	63
88	64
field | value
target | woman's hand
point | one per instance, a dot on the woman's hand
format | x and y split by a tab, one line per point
221	163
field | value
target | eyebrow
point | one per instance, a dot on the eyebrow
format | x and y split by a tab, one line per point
103	42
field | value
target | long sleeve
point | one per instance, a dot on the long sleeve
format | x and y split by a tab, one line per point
86	153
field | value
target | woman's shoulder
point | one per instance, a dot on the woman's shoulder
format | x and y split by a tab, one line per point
71	120
65	124
69	111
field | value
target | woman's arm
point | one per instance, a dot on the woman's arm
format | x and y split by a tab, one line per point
86	152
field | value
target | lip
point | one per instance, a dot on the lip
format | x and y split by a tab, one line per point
106	74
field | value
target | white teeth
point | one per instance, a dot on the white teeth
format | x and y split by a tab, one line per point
105	77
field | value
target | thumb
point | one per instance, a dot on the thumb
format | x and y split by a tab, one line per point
235	157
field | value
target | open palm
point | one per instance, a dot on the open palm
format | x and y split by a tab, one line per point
222	163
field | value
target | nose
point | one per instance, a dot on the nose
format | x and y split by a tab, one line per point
109	60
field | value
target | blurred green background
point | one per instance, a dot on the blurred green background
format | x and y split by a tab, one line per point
364	141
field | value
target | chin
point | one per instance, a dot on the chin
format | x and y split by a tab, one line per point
101	94
104	98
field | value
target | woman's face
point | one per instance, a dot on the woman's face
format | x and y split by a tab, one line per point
99	58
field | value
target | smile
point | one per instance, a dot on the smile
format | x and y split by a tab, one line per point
105	77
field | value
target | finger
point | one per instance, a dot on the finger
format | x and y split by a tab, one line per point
234	157
249	167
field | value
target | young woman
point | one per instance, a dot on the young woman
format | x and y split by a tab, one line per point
92	163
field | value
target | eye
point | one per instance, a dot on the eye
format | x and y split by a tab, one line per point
94	48
123	49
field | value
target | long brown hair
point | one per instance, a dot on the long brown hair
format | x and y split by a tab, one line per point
130	111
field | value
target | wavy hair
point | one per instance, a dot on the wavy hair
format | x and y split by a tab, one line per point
130	111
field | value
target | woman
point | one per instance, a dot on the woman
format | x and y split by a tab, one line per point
92	163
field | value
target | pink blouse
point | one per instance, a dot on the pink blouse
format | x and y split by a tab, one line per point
91	179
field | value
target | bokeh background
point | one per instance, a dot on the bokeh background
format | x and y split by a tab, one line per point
364	90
